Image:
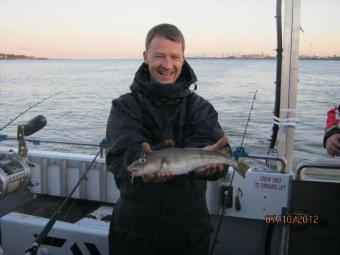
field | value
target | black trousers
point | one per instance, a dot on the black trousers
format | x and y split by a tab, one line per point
128	243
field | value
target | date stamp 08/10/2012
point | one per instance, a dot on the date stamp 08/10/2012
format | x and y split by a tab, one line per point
292	219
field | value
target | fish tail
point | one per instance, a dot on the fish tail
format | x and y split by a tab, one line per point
242	168
225	151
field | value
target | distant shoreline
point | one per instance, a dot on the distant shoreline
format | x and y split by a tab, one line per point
4	56
242	57
266	58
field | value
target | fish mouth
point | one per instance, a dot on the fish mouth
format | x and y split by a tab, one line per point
135	171
132	169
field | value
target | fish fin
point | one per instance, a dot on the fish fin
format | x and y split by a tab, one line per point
164	166
242	169
146	148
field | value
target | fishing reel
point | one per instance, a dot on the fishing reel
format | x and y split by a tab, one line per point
15	173
15	168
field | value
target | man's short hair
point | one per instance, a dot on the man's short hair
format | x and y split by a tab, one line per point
167	31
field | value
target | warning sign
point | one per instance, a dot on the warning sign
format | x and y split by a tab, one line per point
270	183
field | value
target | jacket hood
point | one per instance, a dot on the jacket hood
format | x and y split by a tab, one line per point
180	88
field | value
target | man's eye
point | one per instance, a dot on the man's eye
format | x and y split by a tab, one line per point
142	160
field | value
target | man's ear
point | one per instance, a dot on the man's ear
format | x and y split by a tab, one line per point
145	56
146	148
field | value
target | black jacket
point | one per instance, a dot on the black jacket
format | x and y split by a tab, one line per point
154	113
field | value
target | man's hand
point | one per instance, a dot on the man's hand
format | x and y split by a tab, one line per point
211	169
157	178
333	145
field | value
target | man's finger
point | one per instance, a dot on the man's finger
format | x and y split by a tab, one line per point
333	145
210	169
166	173
148	177
333	150
218	145
146	148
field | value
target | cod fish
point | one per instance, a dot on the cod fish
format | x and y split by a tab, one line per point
181	161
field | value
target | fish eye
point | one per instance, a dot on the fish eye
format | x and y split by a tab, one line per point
142	160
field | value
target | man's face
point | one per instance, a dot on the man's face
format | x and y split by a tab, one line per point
165	59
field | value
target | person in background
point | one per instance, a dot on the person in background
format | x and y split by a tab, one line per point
331	139
161	214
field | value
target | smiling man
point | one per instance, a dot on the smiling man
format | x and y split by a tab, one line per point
161	214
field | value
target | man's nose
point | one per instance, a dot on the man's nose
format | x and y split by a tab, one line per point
167	63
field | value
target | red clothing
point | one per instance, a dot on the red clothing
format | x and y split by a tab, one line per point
333	123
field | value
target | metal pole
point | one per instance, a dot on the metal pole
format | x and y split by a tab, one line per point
289	82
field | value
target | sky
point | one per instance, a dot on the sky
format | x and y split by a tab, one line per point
117	29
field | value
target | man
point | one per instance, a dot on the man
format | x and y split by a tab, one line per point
161	214
331	139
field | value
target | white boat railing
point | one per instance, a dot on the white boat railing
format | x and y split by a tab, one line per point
56	173
327	170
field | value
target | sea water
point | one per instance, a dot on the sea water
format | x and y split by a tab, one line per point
80	112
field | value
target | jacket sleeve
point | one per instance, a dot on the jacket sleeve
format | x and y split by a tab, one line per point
124	136
202	128
332	123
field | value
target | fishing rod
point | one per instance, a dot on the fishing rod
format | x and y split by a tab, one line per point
29	108
32	250
245	130
279	51
228	188
276	112
37	141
